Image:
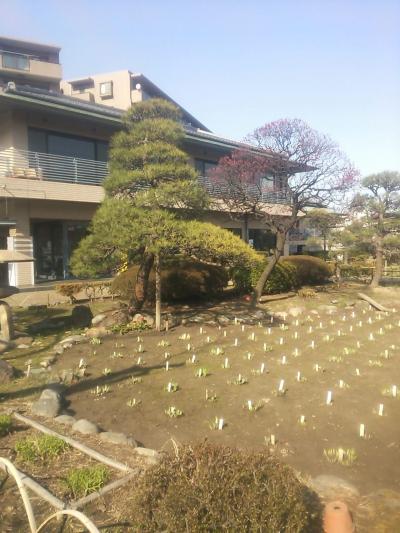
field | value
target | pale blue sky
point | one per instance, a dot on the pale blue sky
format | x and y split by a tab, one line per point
238	64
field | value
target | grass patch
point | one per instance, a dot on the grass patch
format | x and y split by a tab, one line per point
83	481
43	448
5	425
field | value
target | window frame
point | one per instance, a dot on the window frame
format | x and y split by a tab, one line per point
110	92
16	56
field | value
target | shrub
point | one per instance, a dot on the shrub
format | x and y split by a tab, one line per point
5	425
309	270
83	481
42	448
282	279
209	488
181	279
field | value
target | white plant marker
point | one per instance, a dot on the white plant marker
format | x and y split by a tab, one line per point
358	344
269	331
193	358
281	340
28	371
380	409
82	363
284	360
302	419
351	329
310	329
371	337
169	387
140	348
272	440
312	345
272	319
262	368
201	330
360	324
357	372
253	336
239	378
362	431
189	347
344	318
167	366
166	325
242	327
296	334
296	352
320	325
236	342
224	332
369	320
340	455
329	397
235	320
220	424
265	347
296	323
281	387
339	333
219	328
249	405
353	314
381	332
139	360
317	368
226	363
208	339
394	391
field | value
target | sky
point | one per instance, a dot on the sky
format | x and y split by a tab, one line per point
238	64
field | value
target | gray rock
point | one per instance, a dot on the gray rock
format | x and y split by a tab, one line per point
147	452
85	426
50	394
81	316
143	317
117	438
47	407
22	346
59	349
73	339
4	345
99	332
7	372
331	487
66	420
67	376
97	319
45	363
296	311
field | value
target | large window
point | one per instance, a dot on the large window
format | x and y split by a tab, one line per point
49	142
15	61
203	167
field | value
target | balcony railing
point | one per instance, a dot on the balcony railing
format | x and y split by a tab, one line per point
299	235
262	194
26	164
35	165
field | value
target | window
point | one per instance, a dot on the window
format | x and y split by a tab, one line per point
106	89
261	239
204	168
15	61
50	142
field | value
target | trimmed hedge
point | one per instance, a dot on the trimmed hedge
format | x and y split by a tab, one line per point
310	270
208	488
289	274
181	279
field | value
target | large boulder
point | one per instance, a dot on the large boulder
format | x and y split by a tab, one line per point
81	316
48	405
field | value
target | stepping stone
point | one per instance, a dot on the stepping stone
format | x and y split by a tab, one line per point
66	420
85	426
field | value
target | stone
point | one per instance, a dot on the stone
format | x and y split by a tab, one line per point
73	339
117	438
65	420
23	340
333	487
22	346
45	363
98	318
7	372
67	376
296	311
118	316
50	394
85	426
59	349
223	320
98	332
143	317
81	316
48	407
148	452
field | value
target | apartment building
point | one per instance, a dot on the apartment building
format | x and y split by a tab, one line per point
54	138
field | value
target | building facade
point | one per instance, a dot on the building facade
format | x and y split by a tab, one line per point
54	140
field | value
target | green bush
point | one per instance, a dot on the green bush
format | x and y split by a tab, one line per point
42	448
182	279
5	425
210	488
309	270
83	481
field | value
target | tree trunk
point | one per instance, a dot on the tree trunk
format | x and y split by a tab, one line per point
246	228
376	278
157	268
258	289
142	282
325	251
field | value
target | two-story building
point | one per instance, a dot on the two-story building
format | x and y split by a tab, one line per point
54	139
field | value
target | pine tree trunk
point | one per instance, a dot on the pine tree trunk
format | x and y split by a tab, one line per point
258	289
157	268
142	282
378	263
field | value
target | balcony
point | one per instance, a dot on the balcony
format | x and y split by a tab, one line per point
25	164
299	235
268	195
29	66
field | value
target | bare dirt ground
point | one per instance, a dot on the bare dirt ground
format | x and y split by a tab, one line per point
337	343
